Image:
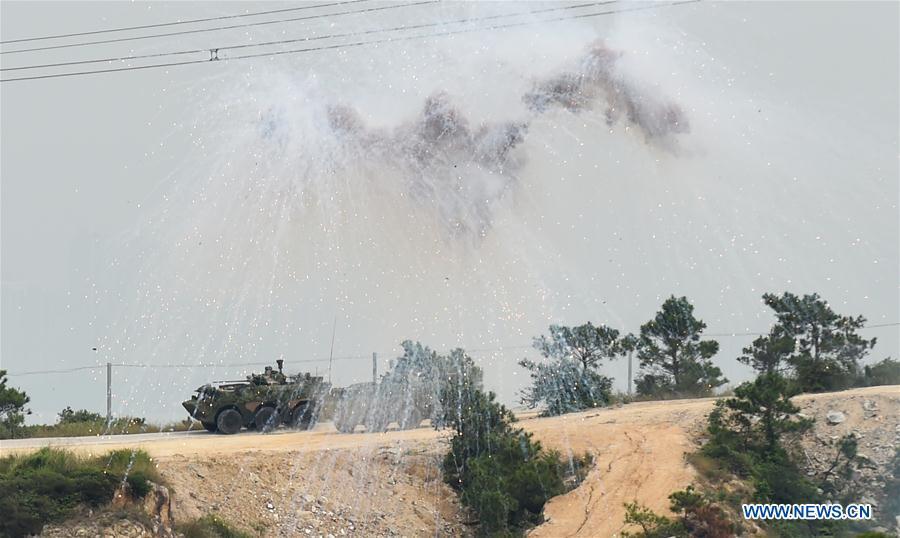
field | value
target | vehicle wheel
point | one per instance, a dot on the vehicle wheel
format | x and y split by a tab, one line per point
303	417
344	425
209	426
412	420
229	422
265	419
379	425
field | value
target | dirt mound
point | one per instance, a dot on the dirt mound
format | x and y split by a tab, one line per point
377	490
640	452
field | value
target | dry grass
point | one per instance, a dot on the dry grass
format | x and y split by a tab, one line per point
121	426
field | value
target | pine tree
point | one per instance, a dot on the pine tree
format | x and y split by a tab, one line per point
828	348
587	344
769	354
673	358
569	380
12	408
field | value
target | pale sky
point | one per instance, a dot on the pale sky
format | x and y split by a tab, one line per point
144	214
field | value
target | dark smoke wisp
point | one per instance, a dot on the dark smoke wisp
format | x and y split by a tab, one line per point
598	76
459	169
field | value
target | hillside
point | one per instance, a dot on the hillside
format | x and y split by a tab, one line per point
322	483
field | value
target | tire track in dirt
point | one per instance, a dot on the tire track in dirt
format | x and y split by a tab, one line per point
639	456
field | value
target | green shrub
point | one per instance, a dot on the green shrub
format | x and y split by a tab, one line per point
210	526
891	505
697	516
68	416
886	372
752	436
569	379
13	409
119	426
746	436
564	386
48	485
652	525
501	474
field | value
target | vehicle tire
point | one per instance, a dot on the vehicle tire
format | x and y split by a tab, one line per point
303	417
209	426
410	421
265	419
344	425
377	425
229	421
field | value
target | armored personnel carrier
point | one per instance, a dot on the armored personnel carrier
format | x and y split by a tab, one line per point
377	406
417	386
262	401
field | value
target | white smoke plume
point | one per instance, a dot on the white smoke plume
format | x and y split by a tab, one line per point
460	167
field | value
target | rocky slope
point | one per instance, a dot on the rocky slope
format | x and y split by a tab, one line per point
872	417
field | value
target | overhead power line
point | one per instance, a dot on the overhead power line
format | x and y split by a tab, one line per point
183	365
176	23
58	371
344	358
307	39
229	27
353	44
881	325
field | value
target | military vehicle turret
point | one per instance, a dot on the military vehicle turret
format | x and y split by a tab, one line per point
262	401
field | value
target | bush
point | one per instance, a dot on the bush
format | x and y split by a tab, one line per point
12	409
119	426
564	386
751	435
509	486
886	372
746	436
68	416
501	474
210	526
652	525
697	517
48	485
891	505
569	379
442	379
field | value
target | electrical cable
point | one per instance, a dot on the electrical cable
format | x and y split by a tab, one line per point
304	39
349	45
347	357
231	27
175	23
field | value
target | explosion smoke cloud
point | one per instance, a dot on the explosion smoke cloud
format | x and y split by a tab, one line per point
458	167
597	76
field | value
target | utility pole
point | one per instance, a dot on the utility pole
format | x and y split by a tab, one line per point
331	355
109	393
630	354
374	367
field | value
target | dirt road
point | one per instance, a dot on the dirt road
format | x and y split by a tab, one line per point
639	453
